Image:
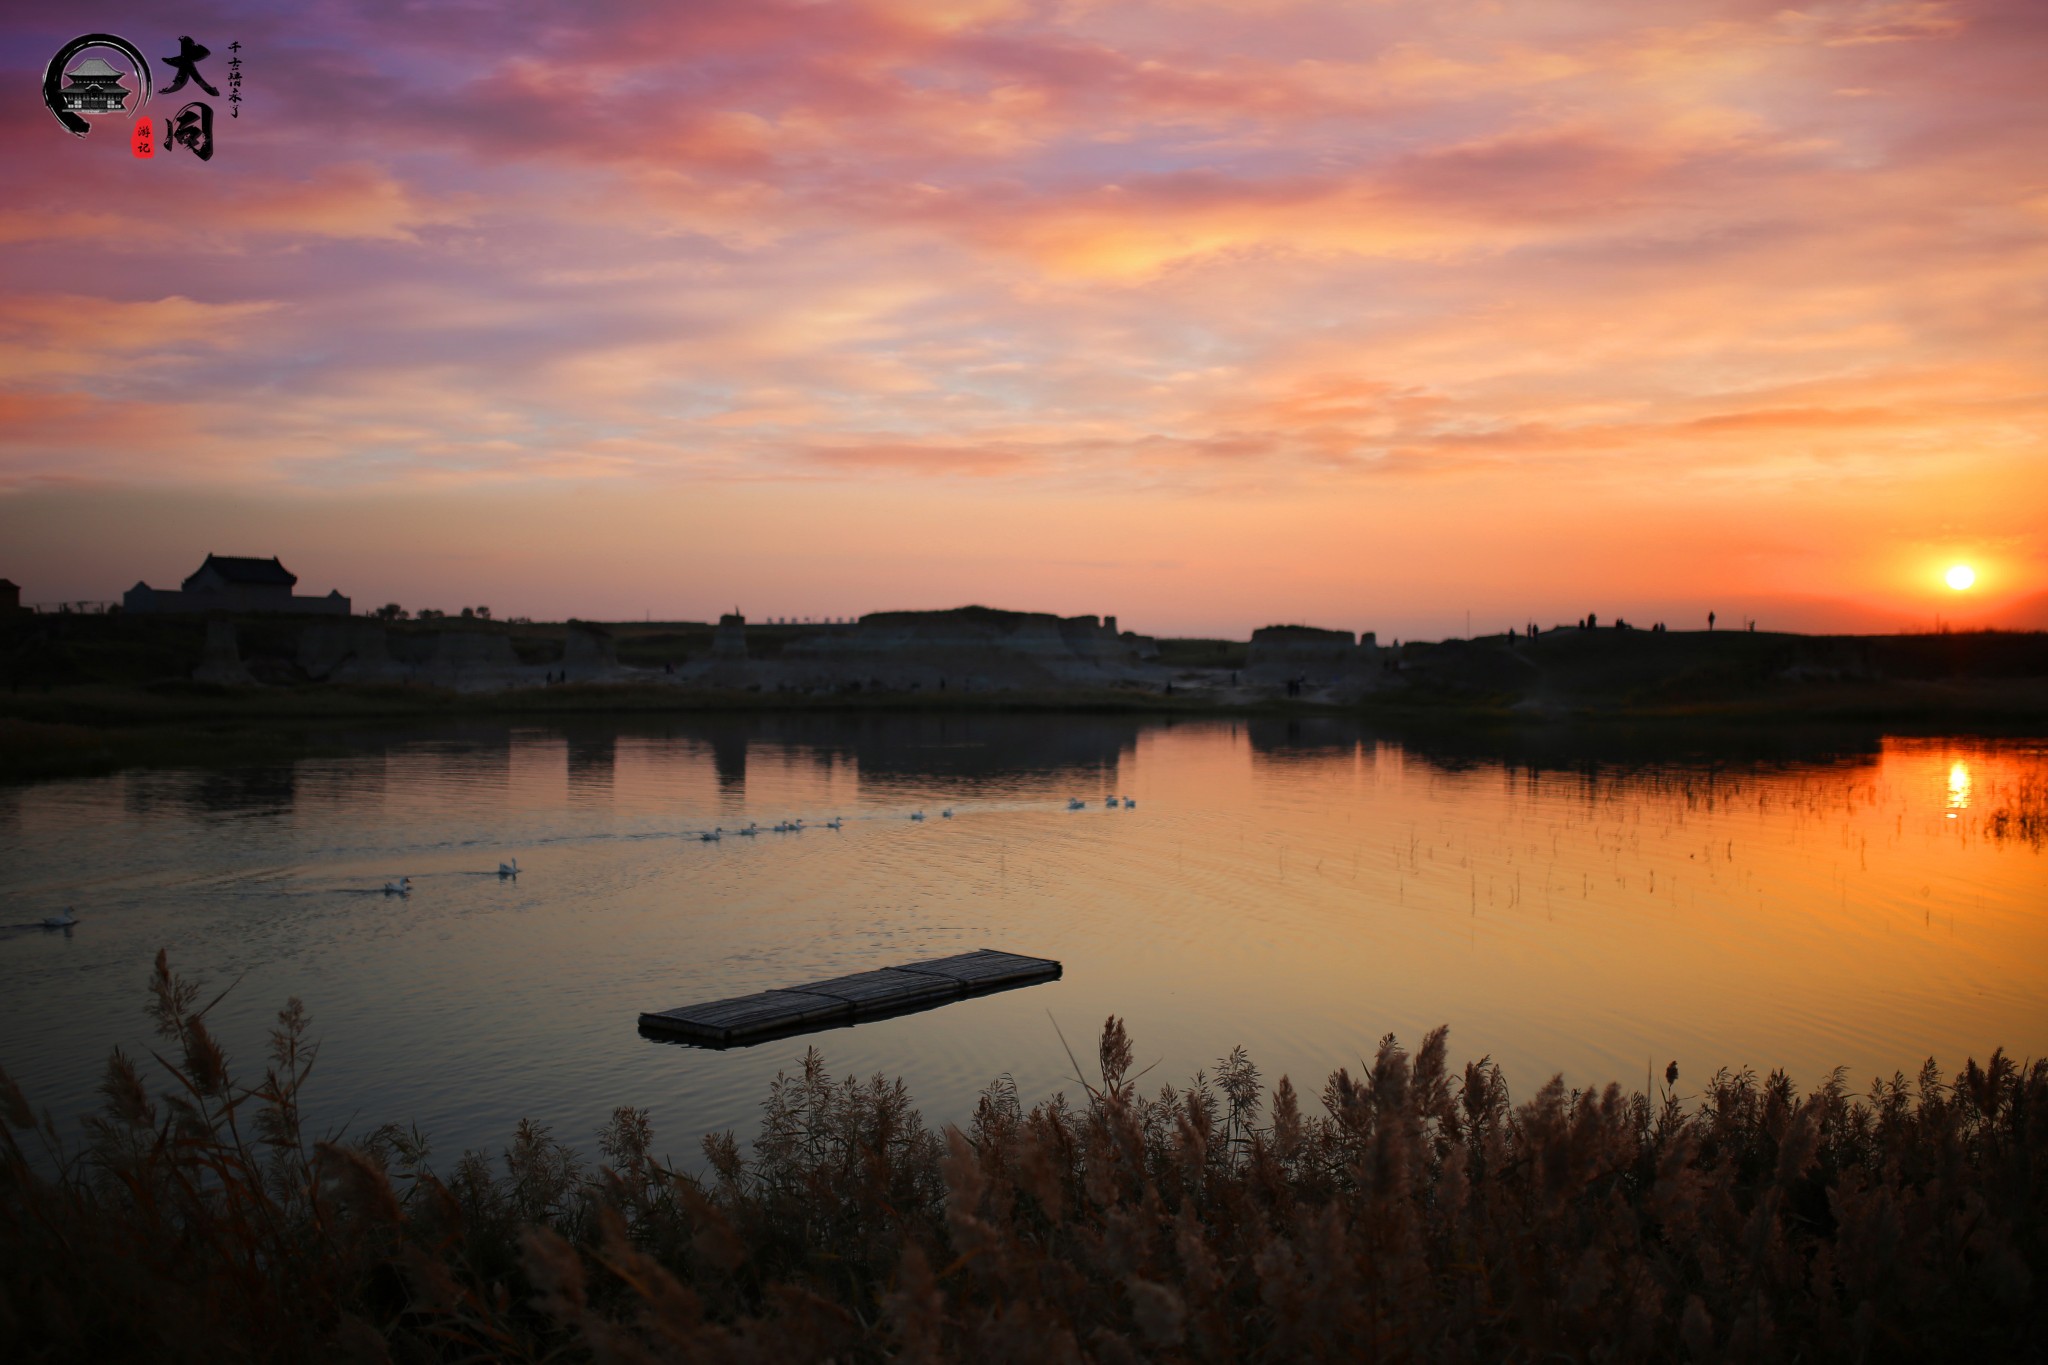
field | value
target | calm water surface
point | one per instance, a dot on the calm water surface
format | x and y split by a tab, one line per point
1589	906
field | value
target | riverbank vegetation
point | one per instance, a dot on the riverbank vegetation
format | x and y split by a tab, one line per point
1410	1211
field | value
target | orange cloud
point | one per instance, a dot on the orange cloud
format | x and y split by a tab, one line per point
1224	264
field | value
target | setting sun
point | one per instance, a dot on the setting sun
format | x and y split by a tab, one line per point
1961	576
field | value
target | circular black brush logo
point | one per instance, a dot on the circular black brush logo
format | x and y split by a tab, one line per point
93	87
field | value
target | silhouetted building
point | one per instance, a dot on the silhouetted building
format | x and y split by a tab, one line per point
232	583
10	597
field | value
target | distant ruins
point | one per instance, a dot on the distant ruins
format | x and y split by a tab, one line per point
1322	657
730	643
977	648
963	650
234	584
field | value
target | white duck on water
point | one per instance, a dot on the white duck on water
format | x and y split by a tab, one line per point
63	921
712	836
510	869
401	887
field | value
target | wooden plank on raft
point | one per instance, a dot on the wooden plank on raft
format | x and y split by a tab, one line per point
845	999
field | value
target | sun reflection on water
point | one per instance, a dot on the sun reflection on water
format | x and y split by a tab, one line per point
1302	886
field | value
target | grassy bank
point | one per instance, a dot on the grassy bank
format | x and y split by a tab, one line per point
175	702
91	731
30	750
1412	1212
98	728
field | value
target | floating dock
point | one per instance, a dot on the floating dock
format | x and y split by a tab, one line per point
847	999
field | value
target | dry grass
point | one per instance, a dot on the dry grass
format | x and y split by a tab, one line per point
1415	1213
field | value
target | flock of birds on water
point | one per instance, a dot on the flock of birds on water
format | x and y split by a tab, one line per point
712	836
509	870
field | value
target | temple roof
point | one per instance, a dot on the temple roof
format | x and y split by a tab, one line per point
264	572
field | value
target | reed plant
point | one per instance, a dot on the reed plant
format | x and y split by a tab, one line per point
1411	1211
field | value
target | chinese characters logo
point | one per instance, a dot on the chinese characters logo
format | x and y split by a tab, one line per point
81	84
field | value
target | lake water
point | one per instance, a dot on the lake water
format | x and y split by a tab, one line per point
1591	903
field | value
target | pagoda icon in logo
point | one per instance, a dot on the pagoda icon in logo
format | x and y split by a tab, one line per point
76	94
94	87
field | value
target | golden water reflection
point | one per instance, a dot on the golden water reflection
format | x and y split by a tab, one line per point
1586	904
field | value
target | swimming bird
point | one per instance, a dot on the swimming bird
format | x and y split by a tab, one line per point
510	869
917	815
1110	801
1130	804
946	814
63	921
834	823
782	827
796	824
1076	803
712	836
753	828
401	887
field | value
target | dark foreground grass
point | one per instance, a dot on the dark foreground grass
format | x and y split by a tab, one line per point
1414	1213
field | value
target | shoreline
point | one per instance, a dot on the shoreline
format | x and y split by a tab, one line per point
171	701
96	729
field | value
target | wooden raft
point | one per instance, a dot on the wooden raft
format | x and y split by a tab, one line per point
845	999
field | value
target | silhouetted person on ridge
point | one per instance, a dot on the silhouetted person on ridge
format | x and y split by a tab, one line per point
1710	620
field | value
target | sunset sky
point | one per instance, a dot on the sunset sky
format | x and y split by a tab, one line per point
1208	315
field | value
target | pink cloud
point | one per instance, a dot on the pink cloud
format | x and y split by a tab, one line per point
1226	251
